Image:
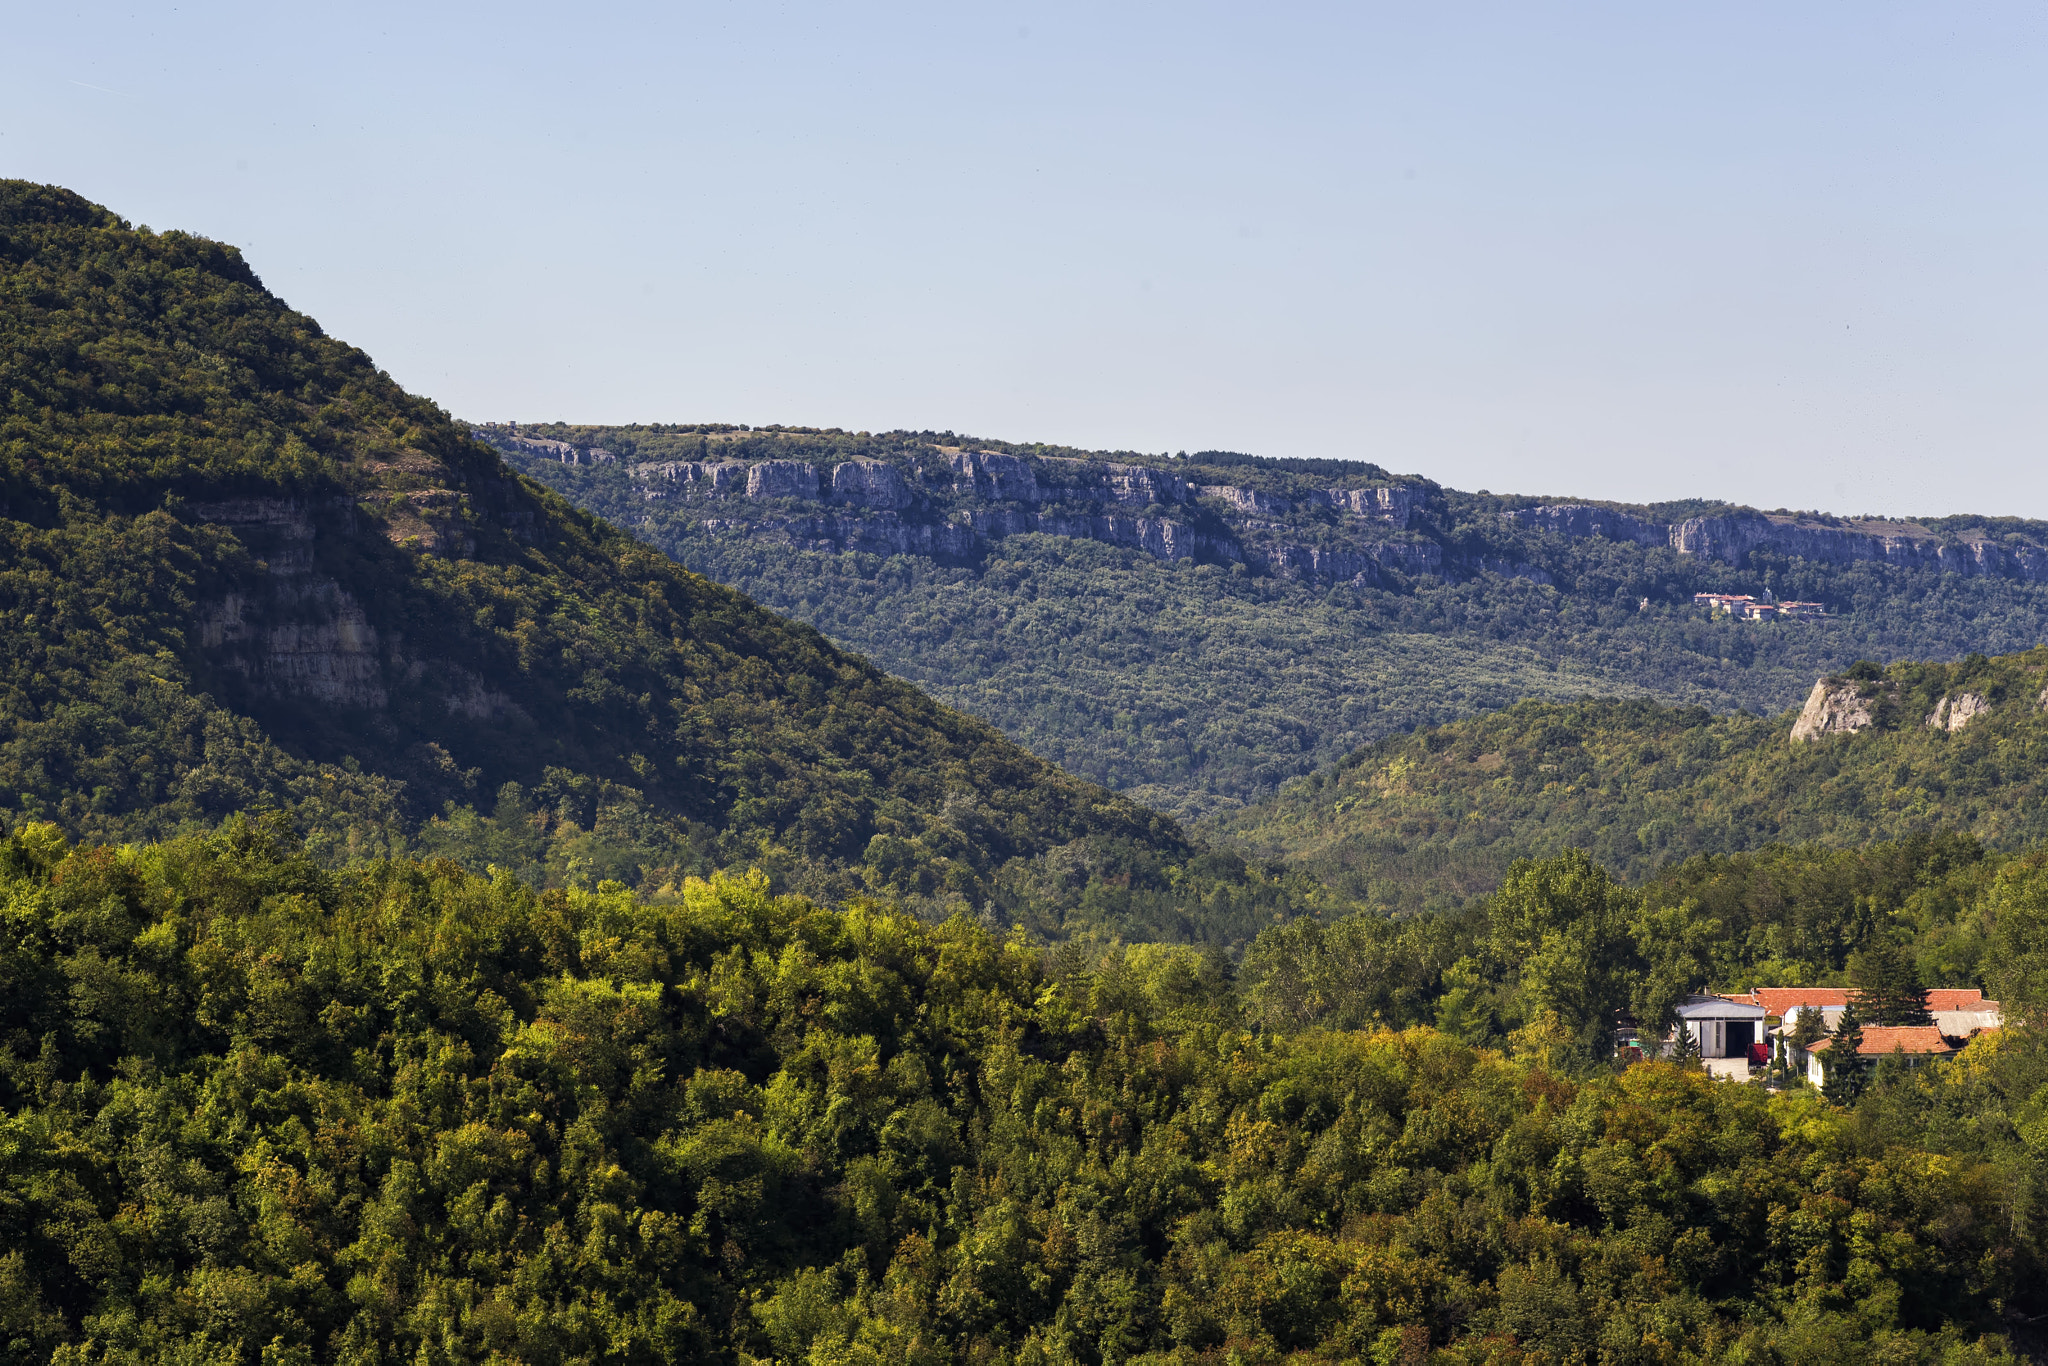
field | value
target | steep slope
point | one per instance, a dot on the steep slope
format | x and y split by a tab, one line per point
240	565
1194	631
1438	816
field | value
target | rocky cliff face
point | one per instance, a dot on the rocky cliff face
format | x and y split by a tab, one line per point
952	501
297	632
1733	537
563	451
1953	713
1833	709
955	506
306	637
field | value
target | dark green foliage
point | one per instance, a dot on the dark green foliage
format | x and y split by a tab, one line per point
1567	932
1888	986
1685	1049
253	1111
1548	959
1438	816
1841	1063
1807	1029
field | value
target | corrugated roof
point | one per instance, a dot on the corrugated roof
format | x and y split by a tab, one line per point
1717	1008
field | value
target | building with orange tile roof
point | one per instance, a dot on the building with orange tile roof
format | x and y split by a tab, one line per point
1960	1013
1917	1043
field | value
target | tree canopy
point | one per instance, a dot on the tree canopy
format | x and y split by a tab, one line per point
252	1110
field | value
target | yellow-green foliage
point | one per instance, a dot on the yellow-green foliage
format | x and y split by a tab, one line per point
1439	815
255	1111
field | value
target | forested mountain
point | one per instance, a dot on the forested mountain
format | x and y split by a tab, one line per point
1195	630
252	1111
239	566
1438	816
305	695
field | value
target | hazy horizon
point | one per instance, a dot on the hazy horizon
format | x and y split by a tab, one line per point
1785	259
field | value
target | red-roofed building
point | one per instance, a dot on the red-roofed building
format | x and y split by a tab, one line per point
1959	1014
1917	1043
1787	1002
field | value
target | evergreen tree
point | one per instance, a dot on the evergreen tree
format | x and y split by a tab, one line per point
1808	1029
1841	1064
1887	983
1685	1049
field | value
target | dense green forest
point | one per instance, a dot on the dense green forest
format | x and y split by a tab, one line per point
437	927
258	1111
240	567
1196	686
1438	816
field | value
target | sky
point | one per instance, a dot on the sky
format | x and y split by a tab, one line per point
1786	255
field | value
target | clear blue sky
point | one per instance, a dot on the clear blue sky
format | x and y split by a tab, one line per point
1785	254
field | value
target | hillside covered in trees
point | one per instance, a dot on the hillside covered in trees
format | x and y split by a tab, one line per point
1195	630
1438	816
434	926
252	1110
240	567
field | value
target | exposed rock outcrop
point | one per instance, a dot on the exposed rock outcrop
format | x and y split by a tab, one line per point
1833	709
1581	520
1386	504
993	477
1087	481
691	478
317	643
783	479
877	507
1953	713
1245	500
279	531
870	484
295	632
1732	537
563	451
1275	522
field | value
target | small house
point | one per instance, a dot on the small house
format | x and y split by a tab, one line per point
1916	1043
1959	1014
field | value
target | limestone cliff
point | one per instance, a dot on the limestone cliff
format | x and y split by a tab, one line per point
953	505
1731	538
1833	708
1952	713
934	498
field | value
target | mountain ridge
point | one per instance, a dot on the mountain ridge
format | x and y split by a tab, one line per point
240	565
884	502
1196	631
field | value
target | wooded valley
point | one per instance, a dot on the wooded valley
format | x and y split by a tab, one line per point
437	926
